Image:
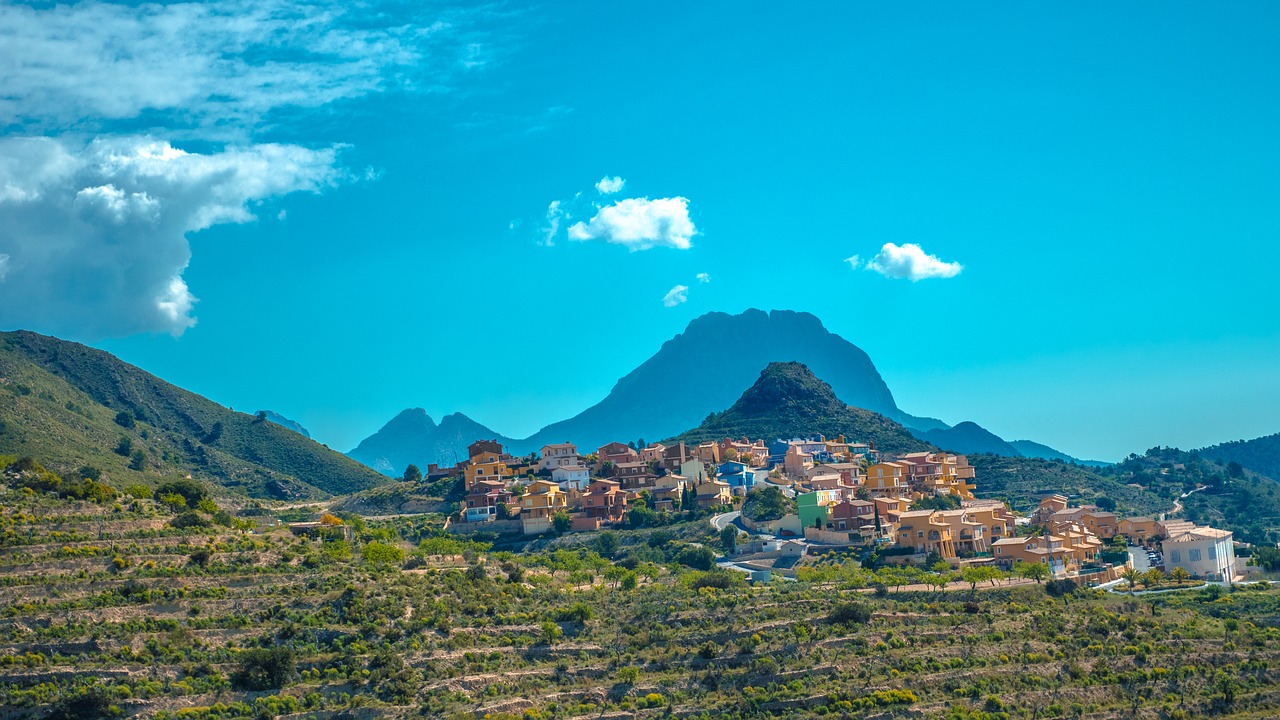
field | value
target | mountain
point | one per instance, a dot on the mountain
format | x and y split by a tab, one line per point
1037	450
77	409
788	400
709	365
283	421
413	437
1261	455
968	437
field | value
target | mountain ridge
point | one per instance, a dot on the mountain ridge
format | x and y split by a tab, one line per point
789	400
73	405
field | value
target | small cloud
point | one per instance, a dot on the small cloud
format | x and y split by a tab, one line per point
552	228
4	266
282	215
676	296
854	261
640	224
910	262
703	278
610	185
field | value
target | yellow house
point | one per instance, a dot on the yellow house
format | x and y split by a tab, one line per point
543	498
485	463
925	531
887	479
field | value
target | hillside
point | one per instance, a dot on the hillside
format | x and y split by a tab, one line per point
1261	455
71	406
1023	481
709	365
118	613
283	421
1234	498
788	400
413	437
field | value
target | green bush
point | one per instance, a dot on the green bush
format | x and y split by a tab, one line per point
263	669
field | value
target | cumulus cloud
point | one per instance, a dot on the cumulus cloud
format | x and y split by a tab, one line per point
910	262
93	237
215	68
854	261
676	296
610	185
93	232
703	277
640	224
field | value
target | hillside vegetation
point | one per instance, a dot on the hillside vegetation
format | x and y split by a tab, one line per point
1261	455
74	407
1222	495
788	400
127	609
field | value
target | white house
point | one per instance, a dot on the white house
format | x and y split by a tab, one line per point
575	477
1202	551
559	455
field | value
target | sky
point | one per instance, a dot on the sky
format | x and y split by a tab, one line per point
1057	220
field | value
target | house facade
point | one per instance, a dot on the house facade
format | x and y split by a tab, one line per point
1202	551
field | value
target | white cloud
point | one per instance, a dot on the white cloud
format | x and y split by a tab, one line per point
910	262
554	214
676	296
854	261
215	68
94	236
640	224
4	266
703	278
610	185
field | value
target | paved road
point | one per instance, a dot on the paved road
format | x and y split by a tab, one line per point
1141	562
719	521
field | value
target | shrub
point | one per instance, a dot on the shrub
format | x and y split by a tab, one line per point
263	669
190	519
383	554
191	491
719	579
849	613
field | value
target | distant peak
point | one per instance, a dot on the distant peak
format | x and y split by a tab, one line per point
412	417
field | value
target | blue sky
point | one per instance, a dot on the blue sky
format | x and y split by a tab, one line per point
358	225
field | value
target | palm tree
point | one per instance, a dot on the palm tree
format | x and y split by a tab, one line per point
1131	575
1180	575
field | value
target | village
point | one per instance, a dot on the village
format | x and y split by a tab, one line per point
916	508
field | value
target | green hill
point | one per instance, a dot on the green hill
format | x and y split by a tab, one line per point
74	407
787	400
1261	455
1023	481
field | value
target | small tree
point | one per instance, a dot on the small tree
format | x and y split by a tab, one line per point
728	539
561	522
1032	571
412	474
263	669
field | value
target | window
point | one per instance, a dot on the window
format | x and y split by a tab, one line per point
1213	552
1176	556
920	534
1193	555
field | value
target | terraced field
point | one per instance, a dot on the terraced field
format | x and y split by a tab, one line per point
110	611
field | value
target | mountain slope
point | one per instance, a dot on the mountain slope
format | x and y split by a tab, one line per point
1261	455
283	421
413	437
1032	449
969	437
710	364
69	405
787	400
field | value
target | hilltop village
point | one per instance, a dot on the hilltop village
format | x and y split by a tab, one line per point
795	496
